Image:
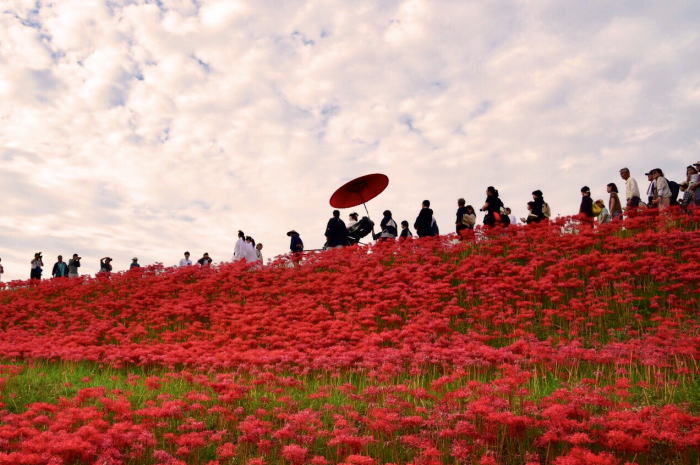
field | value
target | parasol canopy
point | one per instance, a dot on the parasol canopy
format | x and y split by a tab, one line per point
359	190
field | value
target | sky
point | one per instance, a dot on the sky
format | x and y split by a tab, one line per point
147	128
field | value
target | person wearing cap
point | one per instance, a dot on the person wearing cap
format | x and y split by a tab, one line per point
37	266
205	260
651	190
240	247
73	265
632	194
336	232
106	265
663	190
60	268
186	261
354	218
585	211
134	263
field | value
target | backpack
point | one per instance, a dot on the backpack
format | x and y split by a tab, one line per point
468	220
675	189
546	211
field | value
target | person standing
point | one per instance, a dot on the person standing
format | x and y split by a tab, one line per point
336	232
249	252
354	218
469	218
389	227
424	222
239	248
258	252
492	207
511	217
693	186
632	195
106	265
73	265
461	211
186	261
405	232
663	190
651	190
60	268
692	178
585	211
2	270
531	217
37	266
296	245
540	209
614	204
205	260
134	263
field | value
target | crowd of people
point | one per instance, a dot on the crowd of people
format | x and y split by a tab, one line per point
661	194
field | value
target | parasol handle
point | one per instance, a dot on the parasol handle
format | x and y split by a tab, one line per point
365	205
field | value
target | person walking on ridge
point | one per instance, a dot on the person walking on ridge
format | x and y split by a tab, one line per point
296	245
424	222
106	265
405	232
614	204
492	207
651	189
60	268
205	260
258	252
632	195
134	263
336	232
37	266
663	190
2	270
540	208
585	211
461	211
73	265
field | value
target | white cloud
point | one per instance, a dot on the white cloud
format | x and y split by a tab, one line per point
150	129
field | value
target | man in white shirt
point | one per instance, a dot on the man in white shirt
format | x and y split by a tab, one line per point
513	219
186	261
239	251
631	189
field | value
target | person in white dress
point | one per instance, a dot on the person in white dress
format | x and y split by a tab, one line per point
249	253
239	249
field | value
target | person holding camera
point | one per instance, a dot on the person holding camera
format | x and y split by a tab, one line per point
106	265
37	266
73	265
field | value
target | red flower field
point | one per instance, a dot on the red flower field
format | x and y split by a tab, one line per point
532	345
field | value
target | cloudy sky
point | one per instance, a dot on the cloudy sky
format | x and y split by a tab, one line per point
150	127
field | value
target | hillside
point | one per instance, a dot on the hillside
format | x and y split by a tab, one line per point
527	346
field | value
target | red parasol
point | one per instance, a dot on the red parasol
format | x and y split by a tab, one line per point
359	190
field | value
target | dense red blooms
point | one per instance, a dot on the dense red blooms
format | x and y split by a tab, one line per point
530	345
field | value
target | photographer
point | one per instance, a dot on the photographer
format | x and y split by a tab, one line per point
106	265
37	265
73	265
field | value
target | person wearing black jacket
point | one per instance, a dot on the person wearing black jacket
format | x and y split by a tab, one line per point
336	232
492	207
389	227
424	221
461	211
586	210
60	268
537	207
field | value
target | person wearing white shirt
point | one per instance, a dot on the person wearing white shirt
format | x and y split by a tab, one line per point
186	261
513	219
258	252
353	219
239	249
631	189
249	253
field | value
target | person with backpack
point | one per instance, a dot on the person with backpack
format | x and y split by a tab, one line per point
461	211
492	207
60	268
424	222
336	232
614	204
663	190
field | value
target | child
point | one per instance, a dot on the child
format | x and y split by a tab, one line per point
604	215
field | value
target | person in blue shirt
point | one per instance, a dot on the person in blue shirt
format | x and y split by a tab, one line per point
60	268
296	245
134	263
